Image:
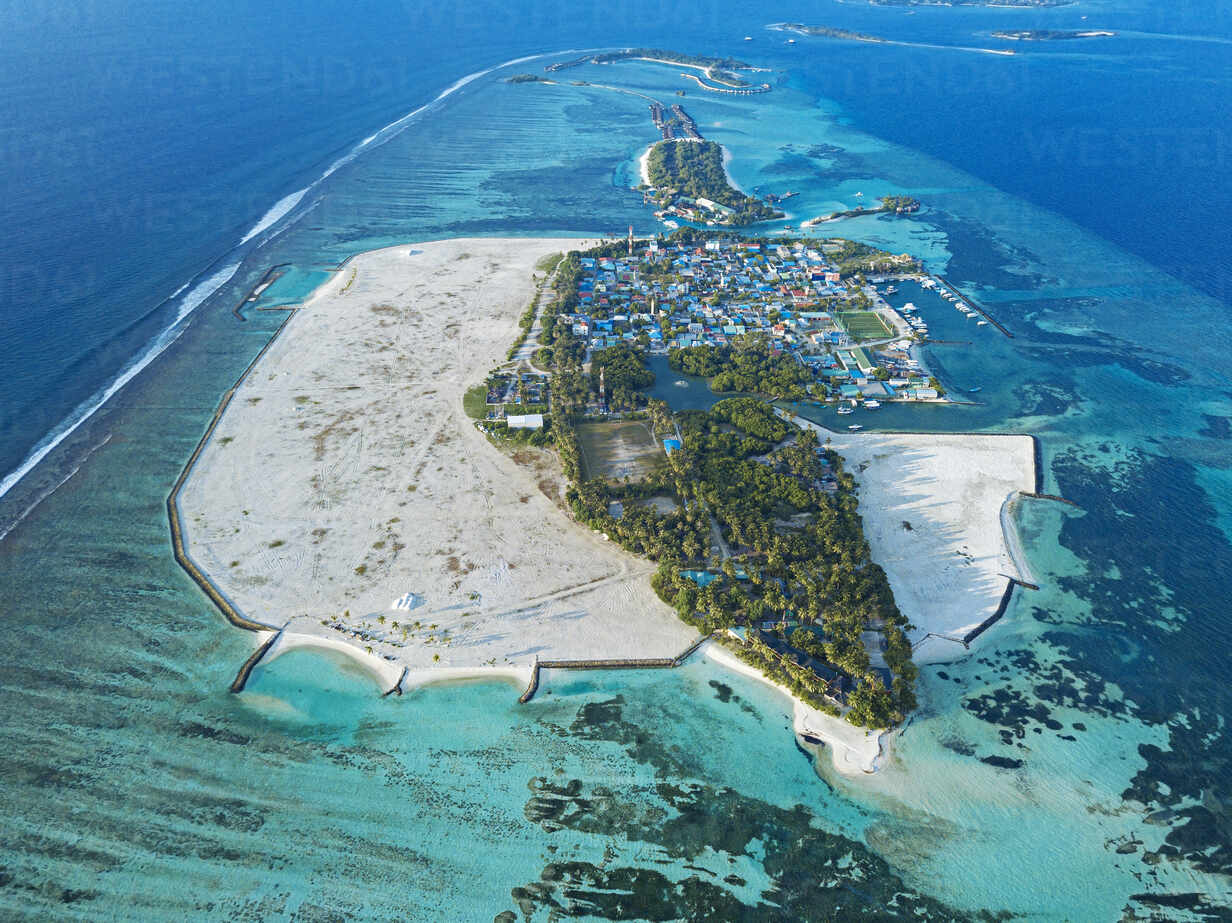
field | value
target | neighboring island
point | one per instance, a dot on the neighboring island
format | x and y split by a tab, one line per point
527	78
721	71
687	178
828	32
891	204
849	35
1019	4
1051	35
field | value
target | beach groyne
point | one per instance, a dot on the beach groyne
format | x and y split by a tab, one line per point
644	663
396	689
271	275
1039	496
245	671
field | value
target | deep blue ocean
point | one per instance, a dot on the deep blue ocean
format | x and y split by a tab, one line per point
157	159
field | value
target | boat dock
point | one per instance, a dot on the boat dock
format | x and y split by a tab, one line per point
688	127
972	305
679	124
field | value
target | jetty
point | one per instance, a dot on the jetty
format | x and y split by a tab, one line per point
644	663
972	305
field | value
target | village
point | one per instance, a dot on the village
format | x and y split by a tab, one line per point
821	303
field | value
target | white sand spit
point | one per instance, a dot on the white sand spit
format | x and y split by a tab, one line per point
932	510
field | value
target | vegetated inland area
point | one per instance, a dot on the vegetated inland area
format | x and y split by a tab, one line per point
753	523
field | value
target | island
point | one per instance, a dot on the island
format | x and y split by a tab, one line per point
446	507
1051	35
721	72
1016	4
892	204
687	178
527	78
828	32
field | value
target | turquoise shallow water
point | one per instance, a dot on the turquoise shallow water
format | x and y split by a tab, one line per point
136	786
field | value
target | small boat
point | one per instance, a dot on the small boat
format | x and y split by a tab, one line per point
854	427
680	383
672	224
843	411
891	290
975	389
748	38
791	41
872	405
981	323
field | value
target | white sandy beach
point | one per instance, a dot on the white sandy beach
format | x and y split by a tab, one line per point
344	475
950	569
854	751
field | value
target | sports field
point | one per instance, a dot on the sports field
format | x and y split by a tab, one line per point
618	450
864	325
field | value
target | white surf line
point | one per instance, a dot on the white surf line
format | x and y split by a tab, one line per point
203	290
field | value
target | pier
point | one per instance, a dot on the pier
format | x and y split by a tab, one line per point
678	124
730	91
973	306
647	663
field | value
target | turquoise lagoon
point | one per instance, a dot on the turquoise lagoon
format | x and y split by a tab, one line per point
1074	765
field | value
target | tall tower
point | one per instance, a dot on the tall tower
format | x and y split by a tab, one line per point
630	240
602	391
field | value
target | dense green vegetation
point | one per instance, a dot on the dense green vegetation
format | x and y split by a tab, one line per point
900	204
829	32
749	364
798	557
695	169
624	375
761	508
526	78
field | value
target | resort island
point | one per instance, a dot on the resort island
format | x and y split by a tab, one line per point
719	75
443	505
688	179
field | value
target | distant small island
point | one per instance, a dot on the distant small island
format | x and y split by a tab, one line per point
828	32
1026	4
721	71
527	78
1051	35
896	204
688	179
